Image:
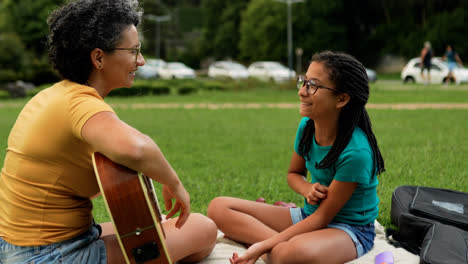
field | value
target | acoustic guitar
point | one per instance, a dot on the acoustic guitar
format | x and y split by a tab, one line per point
133	206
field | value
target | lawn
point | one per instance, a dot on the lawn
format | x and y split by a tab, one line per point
246	152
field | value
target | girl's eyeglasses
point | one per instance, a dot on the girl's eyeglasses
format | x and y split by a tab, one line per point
311	85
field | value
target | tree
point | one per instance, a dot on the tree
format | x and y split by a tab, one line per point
221	30
28	18
321	25
263	31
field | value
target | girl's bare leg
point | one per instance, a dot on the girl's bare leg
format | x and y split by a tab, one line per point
248	221
330	245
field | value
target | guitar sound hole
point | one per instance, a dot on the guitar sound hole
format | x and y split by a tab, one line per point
146	252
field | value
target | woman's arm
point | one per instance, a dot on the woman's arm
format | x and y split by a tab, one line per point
457	58
125	145
313	192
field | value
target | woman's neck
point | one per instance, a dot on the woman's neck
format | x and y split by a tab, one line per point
98	86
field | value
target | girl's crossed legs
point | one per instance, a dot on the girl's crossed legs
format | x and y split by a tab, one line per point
250	222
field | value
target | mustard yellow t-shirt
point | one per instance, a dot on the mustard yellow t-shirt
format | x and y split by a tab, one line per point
47	178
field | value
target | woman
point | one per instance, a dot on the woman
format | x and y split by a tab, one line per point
48	179
452	59
426	57
335	143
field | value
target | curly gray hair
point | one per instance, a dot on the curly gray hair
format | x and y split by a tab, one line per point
80	26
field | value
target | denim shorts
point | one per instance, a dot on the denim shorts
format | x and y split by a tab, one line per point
85	248
362	235
452	65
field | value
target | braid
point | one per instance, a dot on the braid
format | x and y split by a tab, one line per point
346	124
349	76
306	139
366	126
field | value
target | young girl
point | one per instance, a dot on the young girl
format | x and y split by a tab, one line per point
335	143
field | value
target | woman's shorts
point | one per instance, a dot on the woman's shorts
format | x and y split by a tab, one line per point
85	248
362	235
452	65
426	67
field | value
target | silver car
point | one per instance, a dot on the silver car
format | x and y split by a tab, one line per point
228	69
271	70
151	69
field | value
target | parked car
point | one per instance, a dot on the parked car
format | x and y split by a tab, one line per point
176	70
270	70
150	69
371	74
439	70
228	69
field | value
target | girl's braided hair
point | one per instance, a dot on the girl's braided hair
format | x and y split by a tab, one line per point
80	26
349	76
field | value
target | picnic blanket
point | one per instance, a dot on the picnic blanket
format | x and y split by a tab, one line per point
225	247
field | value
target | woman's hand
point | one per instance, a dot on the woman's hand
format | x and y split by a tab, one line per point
182	203
250	256
316	193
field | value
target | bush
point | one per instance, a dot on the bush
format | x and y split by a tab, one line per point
13	58
184	90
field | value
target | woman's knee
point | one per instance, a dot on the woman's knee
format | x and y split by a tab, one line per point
207	228
202	239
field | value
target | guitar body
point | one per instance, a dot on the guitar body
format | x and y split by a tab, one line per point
133	206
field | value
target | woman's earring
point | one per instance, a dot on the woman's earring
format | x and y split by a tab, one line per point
100	66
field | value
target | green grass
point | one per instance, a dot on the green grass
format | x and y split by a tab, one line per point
246	152
389	76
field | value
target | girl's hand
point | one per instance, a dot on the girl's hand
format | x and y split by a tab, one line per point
250	256
316	193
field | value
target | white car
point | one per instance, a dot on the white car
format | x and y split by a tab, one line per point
228	69
176	70
371	74
150	69
271	70
439	70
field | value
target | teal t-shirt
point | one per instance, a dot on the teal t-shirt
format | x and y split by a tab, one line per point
355	164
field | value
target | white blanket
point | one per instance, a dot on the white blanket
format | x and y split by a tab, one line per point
225	247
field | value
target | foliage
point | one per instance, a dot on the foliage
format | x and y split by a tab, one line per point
28	19
23	43
247	30
261	42
320	25
14	57
221	30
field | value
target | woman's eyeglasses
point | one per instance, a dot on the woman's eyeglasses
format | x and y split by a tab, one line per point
135	51
311	85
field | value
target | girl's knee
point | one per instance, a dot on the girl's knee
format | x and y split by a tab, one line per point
279	254
217	206
290	252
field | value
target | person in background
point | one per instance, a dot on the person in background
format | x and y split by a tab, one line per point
452	59
336	145
426	57
47	180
